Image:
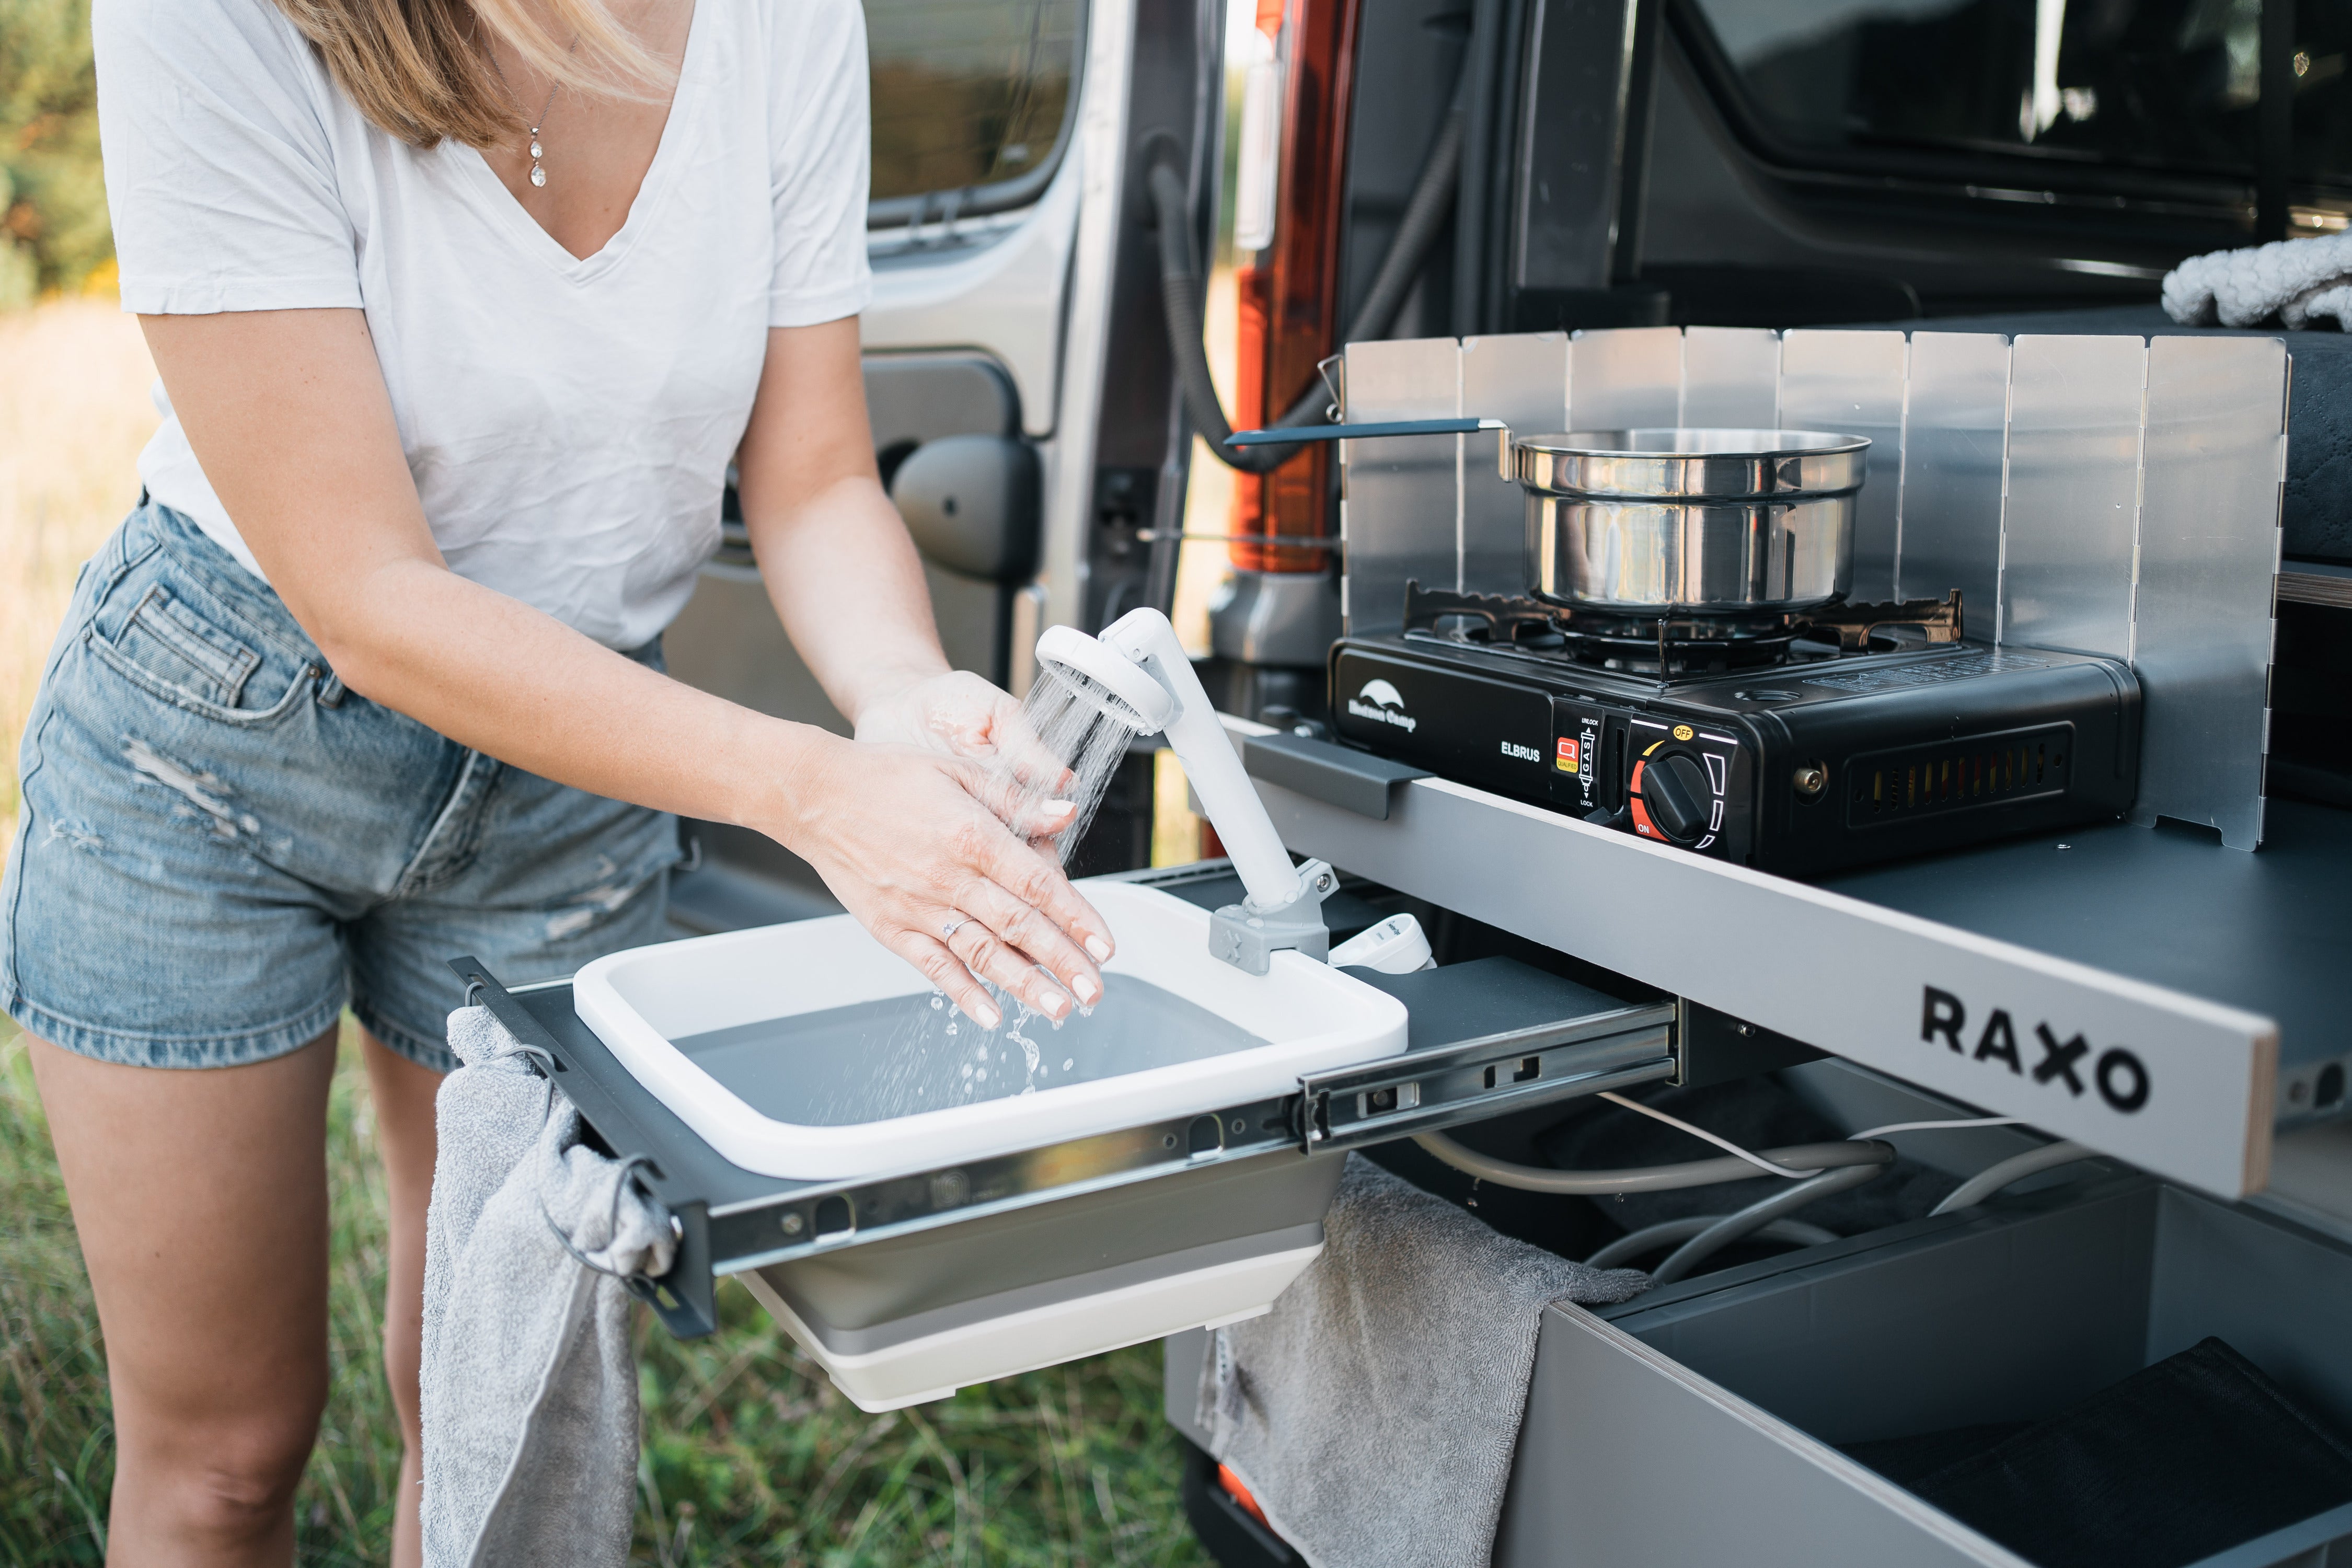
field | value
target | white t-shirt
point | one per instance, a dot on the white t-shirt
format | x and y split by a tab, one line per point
568	422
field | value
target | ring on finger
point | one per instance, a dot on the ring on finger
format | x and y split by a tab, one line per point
947	931
976	948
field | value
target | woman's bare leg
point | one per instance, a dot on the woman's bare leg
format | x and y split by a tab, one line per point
404	1095
200	1196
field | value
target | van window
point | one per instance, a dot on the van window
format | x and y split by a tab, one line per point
972	102
2167	85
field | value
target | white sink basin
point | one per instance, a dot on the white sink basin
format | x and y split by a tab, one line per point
809	1051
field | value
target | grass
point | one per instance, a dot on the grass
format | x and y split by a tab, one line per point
749	1456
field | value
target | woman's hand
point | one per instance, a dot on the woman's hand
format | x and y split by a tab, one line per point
957	713
927	851
963	716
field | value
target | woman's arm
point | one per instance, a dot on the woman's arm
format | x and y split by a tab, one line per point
840	568
288	413
834	555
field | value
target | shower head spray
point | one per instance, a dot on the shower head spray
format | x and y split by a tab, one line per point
1110	680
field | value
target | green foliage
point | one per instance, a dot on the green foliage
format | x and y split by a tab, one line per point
55	1458
750	1456
53	224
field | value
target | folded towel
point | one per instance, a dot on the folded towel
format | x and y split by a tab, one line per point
1373	1413
530	1383
2300	281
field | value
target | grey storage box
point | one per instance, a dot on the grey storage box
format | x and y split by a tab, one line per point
1698	1424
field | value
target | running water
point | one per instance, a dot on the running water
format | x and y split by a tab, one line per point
1083	729
1074	733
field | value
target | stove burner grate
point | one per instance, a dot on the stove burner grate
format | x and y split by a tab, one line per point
1683	644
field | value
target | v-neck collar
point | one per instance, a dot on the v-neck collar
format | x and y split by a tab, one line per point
510	214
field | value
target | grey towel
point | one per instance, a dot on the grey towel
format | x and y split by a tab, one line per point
531	1387
2300	281
1375	1411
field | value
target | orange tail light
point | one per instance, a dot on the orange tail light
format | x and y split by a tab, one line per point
1288	293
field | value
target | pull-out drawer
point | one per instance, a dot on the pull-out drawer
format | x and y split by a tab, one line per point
950	1267
1700	1422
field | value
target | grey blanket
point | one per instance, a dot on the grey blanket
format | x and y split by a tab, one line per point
530	1383
1375	1411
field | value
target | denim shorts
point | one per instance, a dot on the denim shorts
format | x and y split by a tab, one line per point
221	848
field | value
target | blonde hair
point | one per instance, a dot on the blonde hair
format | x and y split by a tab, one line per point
422	69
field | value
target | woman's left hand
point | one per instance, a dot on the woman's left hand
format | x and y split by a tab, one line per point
957	713
961	715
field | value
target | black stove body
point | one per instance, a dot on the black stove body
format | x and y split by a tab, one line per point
1830	757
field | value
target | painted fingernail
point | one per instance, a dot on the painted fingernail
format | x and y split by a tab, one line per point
1058	807
1099	948
986	1017
1087	990
1057	1004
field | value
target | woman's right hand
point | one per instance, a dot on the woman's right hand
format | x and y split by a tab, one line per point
927	851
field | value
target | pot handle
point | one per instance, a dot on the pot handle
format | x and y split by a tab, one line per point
1286	436
1503	449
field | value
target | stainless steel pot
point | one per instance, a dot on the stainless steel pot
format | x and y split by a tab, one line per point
1698	521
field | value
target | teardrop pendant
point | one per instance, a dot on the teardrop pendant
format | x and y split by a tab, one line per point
535	153
538	176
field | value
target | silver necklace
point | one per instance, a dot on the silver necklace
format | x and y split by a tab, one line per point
538	170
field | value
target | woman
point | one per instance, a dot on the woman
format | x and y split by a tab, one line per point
461	311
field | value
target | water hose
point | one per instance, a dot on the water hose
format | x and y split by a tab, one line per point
2014	1169
1763	1212
1668	1232
1810	1157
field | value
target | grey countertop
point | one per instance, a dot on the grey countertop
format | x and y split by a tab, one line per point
2270	931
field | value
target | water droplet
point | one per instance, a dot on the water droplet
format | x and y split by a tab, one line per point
952	1029
980	1077
967	1069
1069	1062
938	1001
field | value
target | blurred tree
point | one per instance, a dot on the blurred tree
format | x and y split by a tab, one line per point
53	225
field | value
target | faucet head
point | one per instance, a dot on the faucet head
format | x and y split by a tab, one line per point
1102	675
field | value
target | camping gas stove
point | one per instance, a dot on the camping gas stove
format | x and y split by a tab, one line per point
1799	745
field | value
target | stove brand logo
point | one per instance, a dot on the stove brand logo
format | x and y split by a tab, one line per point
1383	704
1524	753
2120	1077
